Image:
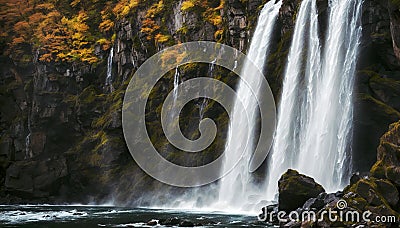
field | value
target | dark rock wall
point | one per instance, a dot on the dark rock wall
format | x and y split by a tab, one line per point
61	135
377	84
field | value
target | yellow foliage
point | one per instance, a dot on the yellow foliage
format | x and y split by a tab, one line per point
213	15
172	57
106	25
149	27
218	35
75	3
221	5
186	5
105	44
123	7
155	9
160	38
215	20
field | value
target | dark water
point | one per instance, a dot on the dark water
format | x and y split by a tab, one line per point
104	216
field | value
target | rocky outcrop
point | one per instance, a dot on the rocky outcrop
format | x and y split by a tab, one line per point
37	178
388	164
295	189
376	192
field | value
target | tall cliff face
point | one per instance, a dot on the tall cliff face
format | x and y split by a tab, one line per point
377	101
61	135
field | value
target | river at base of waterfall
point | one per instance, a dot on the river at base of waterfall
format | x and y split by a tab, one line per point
111	216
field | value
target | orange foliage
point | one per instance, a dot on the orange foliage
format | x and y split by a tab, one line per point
60	35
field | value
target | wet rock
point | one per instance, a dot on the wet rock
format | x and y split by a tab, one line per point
170	221
36	178
314	203
152	222
388	191
295	189
78	213
186	223
393	174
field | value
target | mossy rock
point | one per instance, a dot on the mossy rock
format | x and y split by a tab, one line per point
393	174
295	189
378	170
376	192
379	105
388	191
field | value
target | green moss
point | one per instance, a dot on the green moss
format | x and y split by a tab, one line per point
88	95
28	86
116	101
381	106
71	99
102	139
378	170
183	30
369	191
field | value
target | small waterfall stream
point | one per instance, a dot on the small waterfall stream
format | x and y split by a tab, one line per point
176	83
109	78
236	188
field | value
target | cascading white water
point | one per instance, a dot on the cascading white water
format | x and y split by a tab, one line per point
290	115
330	128
109	78
237	187
315	114
176	83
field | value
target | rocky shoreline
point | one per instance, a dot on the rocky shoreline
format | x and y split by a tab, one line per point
376	192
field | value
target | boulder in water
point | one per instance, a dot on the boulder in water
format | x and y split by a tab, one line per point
152	222
295	189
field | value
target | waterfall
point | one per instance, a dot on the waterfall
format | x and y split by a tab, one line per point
109	70
330	129
236	188
315	112
286	141
176	83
